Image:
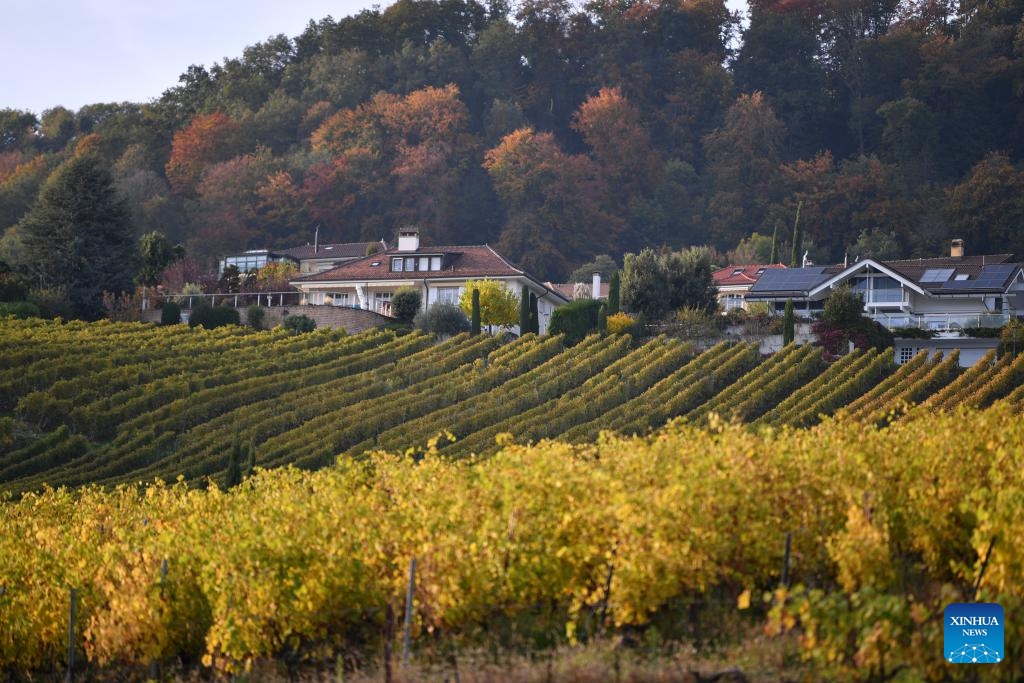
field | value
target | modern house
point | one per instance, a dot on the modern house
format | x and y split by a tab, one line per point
734	281
948	295
311	258
439	272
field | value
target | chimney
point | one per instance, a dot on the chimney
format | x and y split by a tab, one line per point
408	239
956	249
595	288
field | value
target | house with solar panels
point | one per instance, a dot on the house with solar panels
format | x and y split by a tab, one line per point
950	296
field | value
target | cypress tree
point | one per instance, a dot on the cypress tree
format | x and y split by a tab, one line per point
233	476
475	320
613	293
250	466
788	324
775	245
794	258
602	319
524	311
534	314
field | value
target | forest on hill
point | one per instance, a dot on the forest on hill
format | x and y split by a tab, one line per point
558	132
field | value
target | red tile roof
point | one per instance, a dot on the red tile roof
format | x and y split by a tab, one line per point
478	261
566	289
732	276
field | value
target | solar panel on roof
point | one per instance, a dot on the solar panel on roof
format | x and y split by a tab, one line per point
991	277
794	279
937	274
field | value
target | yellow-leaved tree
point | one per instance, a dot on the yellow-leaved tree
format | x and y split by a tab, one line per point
498	304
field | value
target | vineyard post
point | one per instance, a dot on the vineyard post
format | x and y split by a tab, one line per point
785	559
407	630
389	637
984	566
71	639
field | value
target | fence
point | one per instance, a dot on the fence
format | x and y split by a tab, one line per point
236	300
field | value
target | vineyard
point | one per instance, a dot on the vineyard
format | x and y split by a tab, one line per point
110	403
886	491
549	543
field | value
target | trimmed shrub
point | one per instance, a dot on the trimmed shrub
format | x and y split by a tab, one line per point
170	314
405	303
213	316
576	320
443	319
255	315
297	324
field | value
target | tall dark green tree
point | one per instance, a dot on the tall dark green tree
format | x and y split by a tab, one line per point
156	253
77	236
534	314
794	257
614	285
524	311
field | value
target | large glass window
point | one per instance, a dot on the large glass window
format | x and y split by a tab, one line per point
396	265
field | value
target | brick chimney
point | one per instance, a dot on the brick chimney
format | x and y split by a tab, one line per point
956	249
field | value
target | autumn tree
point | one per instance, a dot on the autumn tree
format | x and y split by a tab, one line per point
743	160
987	208
207	139
612	129
553	201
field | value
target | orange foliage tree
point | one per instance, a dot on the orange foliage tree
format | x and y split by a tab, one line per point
207	139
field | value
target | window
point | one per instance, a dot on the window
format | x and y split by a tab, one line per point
396	265
448	294
435	263
340	299
733	302
410	263
424	263
736	271
907	354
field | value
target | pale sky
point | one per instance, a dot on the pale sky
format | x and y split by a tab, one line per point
75	52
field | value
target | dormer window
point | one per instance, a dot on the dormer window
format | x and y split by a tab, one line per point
410	264
736	272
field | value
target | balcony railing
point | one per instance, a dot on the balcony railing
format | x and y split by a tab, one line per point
941	322
239	300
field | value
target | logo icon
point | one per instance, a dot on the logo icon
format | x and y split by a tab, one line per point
973	633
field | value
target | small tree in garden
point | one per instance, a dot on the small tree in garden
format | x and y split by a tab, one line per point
843	322
405	303
443	319
788	323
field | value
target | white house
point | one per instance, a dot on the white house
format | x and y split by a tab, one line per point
439	272
945	295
